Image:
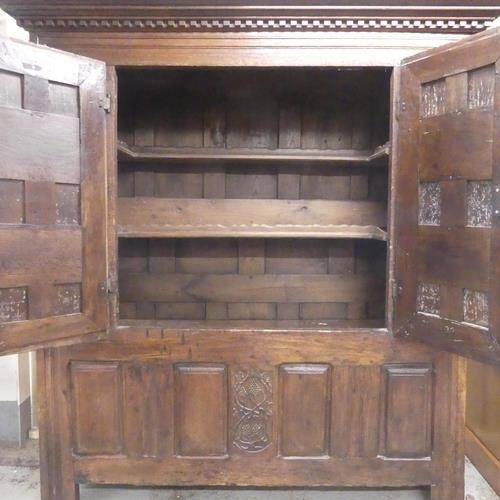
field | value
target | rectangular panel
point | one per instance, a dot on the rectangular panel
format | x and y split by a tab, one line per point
13	304
23	261
407	412
356	394
200	410
456	145
457	256
96	413
28	150
11	201
305	410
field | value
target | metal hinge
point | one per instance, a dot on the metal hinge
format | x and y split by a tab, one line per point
496	200
397	289
105	103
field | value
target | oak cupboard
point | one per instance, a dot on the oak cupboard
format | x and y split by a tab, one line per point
227	239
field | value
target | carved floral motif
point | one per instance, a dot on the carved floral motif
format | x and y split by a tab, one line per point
252	410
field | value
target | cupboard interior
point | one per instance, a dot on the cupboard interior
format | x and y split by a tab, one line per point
253	197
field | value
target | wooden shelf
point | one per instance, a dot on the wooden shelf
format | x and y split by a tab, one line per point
218	218
252	325
141	153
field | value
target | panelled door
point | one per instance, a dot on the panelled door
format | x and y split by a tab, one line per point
447	197
52	196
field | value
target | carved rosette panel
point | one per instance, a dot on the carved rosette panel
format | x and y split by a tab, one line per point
252	410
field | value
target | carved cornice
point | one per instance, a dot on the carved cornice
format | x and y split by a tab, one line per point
244	24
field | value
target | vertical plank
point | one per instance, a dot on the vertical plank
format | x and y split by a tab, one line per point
179	182
144	183
256	183
287	311
252	125
288	185
407	425
214	133
148	409
290	126
211	255
200	410
144	130
96	414
161	256
305	410
214	182
341	257
456	92
356	392
251	256
216	310
248	310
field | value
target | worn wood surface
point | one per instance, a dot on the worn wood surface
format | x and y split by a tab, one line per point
242	417
52	214
445	227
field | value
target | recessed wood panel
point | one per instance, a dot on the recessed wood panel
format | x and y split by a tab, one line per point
67	204
13	304
64	99
454	256
11	90
200	410
456	145
305	410
23	261
97	399
37	156
407	417
11	201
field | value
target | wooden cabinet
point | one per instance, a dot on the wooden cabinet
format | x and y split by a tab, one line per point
236	236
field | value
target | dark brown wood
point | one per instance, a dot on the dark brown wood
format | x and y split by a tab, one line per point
445	225
288	364
239	360
52	168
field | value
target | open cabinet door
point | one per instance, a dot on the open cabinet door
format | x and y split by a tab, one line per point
446	201
52	196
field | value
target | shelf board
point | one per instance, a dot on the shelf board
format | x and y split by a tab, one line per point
231	218
252	325
141	153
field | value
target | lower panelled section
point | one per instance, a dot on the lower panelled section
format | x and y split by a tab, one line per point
173	413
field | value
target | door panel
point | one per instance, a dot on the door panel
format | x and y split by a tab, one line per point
52	196
447	168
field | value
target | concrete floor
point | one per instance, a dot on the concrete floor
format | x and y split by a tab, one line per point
22	483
